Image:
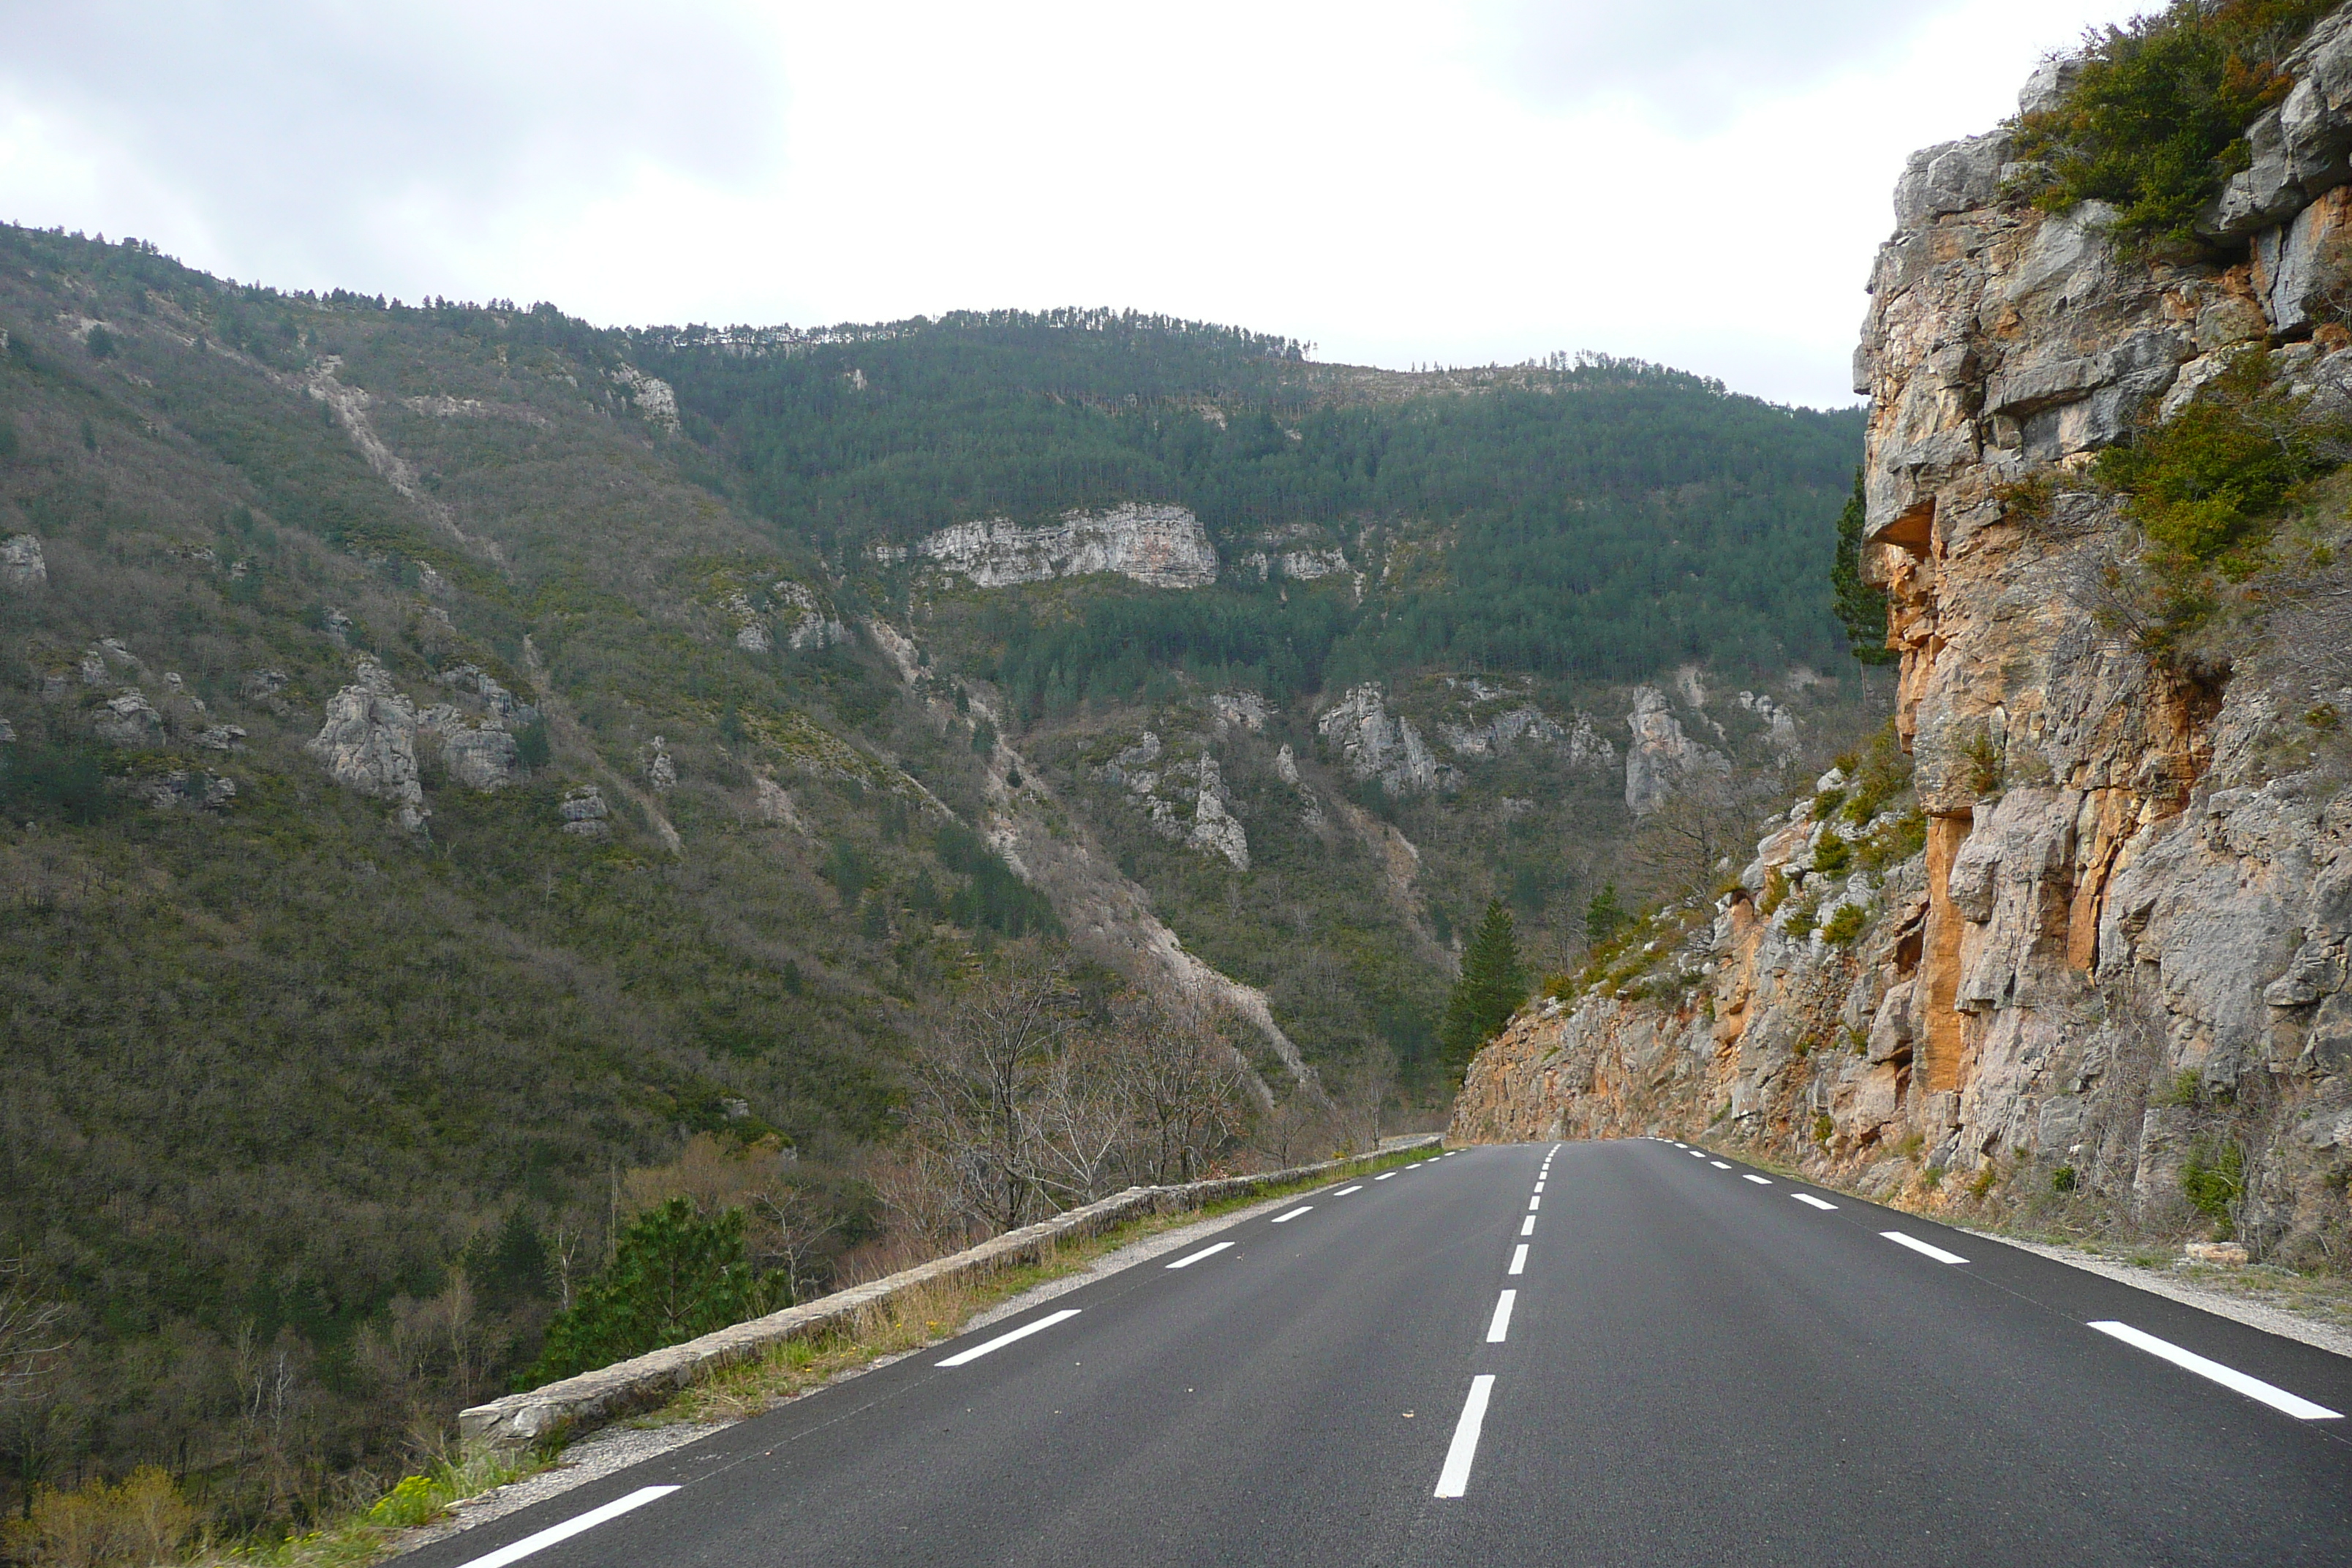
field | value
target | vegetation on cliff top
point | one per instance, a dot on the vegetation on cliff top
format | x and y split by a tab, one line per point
2155	120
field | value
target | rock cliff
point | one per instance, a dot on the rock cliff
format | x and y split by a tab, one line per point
2118	955
1160	546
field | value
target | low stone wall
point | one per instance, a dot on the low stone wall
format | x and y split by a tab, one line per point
593	1398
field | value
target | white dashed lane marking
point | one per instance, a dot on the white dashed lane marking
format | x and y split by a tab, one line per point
1455	1478
2277	1398
571	1527
1921	1247
1519	1259
1210	1251
1001	1341
1808	1199
1501	1325
1761	1181
1294	1213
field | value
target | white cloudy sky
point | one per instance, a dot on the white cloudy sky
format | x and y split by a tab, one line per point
1699	182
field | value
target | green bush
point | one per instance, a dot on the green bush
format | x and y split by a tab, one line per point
1831	854
2063	1179
1843	928
2206	484
2213	1178
675	1275
2155	124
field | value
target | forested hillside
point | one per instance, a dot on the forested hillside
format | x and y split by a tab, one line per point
461	767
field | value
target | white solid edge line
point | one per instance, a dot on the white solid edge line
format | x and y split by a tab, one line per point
1210	1251
1501	1326
1535	1202
1001	1341
1761	1181
1343	1192
1519	1259
2228	1377
1455	1478
1529	1227
1815	1201
1384	1175
571	1527
1921	1247
1294	1213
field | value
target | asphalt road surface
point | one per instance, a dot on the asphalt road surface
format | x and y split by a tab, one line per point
1618	1352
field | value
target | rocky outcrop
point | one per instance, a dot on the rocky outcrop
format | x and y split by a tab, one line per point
128	720
1489	729
368	743
655	398
1661	757
805	619
584	813
2122	947
22	564
1215	828
1162	546
1373	743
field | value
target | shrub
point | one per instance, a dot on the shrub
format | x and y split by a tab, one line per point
2213	1178
1776	892
675	1275
1843	927
2063	1179
101	343
1987	772
2205	484
1824	1127
1895	842
1831	854
1984	1180
2155	123
143	1519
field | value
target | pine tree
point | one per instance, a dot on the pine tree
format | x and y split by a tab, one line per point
1491	986
1861	608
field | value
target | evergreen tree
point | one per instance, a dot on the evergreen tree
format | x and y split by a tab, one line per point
1604	917
1491	986
1861	608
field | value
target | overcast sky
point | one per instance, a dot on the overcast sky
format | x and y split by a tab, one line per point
1697	182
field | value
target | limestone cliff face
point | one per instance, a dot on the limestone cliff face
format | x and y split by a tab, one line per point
1162	546
2124	939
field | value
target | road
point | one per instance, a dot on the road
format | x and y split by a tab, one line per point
1698	1363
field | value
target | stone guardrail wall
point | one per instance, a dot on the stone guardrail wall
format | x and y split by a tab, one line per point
591	1399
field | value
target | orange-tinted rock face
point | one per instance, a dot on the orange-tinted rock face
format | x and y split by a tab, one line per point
2123	941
